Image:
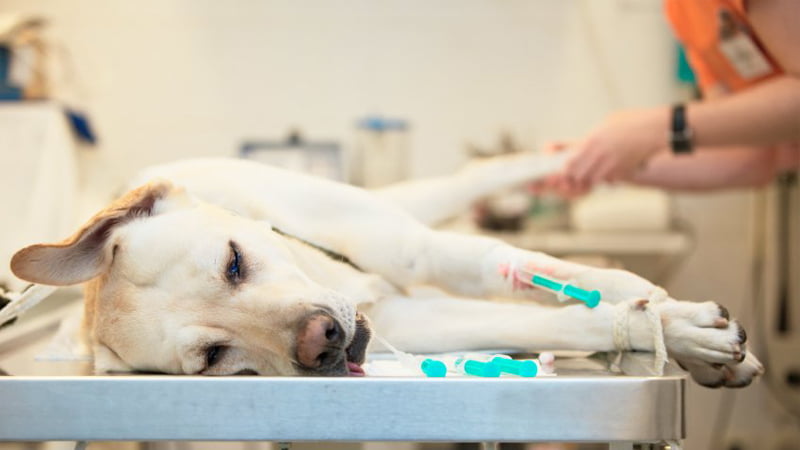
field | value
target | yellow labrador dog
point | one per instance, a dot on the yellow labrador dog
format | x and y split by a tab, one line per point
222	267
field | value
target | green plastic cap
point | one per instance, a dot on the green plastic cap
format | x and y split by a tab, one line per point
433	368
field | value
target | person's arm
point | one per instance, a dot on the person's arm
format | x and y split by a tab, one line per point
761	116
729	168
766	114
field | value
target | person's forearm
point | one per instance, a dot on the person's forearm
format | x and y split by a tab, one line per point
731	168
763	115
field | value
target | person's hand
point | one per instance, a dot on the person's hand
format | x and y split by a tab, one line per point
557	183
619	147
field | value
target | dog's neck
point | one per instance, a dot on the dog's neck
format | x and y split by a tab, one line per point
338	257
341	275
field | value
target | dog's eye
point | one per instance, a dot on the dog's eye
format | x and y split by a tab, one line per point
234	271
214	354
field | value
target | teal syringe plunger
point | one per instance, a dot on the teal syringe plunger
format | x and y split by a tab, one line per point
590	298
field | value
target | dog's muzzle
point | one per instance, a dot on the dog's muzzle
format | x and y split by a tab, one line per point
357	350
322	349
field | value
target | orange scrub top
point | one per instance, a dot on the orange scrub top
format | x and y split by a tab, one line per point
703	26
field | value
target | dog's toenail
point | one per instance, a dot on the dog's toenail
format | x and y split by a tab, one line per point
723	311
742	335
720	323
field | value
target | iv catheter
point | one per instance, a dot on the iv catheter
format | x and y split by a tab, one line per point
562	289
430	367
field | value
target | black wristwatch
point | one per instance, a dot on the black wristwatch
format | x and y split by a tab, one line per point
680	137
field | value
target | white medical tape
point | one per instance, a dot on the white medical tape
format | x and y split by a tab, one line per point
621	327
659	347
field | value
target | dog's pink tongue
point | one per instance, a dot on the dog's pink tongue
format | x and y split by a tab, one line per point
355	370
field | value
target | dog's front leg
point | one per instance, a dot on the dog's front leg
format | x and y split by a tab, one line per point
477	266
429	325
699	335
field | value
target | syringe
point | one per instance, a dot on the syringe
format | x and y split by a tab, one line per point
526	368
429	366
563	290
474	367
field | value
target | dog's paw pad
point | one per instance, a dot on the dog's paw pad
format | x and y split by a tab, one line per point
734	375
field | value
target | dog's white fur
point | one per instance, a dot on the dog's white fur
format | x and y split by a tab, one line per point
161	293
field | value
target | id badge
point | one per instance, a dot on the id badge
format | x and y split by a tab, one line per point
740	49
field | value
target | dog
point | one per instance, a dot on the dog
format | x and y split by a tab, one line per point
231	267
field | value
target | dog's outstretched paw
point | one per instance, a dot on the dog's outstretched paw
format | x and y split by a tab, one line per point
706	342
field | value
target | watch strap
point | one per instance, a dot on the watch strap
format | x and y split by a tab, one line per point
680	133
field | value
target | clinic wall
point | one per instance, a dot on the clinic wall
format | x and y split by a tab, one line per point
170	79
164	80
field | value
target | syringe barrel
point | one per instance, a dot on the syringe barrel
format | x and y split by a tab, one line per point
547	283
476	368
523	368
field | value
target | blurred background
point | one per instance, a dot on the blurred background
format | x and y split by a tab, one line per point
98	89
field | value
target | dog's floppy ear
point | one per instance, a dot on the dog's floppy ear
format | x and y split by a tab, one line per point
84	255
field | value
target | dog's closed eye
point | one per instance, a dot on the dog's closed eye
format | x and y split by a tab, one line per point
234	272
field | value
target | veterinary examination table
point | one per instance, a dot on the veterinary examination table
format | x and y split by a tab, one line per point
585	402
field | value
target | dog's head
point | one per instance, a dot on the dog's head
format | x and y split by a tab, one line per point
177	285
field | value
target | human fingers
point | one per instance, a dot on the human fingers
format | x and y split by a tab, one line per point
584	166
556	146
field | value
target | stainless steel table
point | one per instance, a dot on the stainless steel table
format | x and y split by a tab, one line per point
584	403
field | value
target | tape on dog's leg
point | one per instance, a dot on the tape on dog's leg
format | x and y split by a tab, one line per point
621	328
659	347
24	301
621	333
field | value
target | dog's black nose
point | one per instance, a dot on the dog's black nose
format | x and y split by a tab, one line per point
320	342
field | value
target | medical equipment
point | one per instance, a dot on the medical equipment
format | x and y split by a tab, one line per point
429	366
380	151
562	289
525	368
467	366
321	158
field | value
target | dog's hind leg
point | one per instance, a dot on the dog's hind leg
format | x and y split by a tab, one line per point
433	200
